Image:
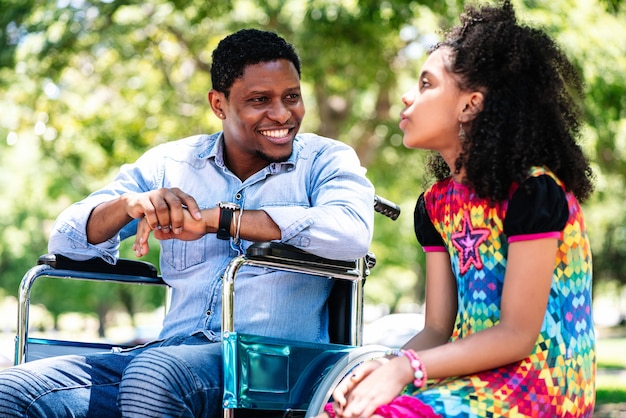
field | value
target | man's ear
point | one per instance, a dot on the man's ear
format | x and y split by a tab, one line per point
473	106
217	100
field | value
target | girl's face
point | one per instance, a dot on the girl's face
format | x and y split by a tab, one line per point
432	114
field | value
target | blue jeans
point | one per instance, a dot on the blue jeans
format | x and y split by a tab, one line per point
177	377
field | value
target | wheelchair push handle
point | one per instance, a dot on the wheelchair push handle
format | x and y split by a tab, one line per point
386	207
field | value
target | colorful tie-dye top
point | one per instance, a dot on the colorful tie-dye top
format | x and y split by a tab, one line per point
557	378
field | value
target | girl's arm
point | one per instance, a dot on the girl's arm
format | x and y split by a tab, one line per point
527	282
440	304
361	393
525	295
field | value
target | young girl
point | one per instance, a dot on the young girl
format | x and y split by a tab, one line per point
509	330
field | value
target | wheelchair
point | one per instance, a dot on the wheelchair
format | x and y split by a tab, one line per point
263	376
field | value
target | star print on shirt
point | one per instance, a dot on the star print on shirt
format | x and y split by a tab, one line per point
467	242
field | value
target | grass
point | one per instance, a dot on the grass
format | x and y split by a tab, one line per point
610	382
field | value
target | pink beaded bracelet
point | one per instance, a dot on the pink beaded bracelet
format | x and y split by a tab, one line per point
419	370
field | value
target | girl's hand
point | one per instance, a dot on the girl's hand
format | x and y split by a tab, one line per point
343	389
372	384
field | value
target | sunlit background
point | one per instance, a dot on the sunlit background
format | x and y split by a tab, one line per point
87	85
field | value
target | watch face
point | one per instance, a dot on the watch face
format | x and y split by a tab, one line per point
228	205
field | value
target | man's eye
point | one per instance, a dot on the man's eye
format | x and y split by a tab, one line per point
259	99
292	98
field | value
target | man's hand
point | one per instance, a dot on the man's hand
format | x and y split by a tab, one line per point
163	208
164	211
191	230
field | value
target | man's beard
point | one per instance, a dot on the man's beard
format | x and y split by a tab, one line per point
271	159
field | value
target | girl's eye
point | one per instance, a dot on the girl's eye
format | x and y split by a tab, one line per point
424	83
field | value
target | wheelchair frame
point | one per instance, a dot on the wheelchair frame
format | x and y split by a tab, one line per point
57	266
290	376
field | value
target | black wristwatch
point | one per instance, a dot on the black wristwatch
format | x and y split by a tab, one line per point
226	217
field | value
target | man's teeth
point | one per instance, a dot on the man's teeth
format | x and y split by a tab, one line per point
281	133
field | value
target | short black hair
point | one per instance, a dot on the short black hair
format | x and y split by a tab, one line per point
247	47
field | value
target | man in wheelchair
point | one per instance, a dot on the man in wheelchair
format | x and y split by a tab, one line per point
206	199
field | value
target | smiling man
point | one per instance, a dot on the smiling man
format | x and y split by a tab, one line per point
206	199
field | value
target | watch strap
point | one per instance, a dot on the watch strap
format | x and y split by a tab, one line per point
226	218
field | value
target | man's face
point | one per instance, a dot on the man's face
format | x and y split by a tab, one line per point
262	115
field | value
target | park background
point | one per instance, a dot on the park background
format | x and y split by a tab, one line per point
87	85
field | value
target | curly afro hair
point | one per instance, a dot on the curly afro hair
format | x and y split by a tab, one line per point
531	115
243	48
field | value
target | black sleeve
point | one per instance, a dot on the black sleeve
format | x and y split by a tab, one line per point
425	231
539	205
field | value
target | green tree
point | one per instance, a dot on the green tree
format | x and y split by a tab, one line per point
87	86
586	32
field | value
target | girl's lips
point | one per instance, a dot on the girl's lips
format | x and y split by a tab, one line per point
403	122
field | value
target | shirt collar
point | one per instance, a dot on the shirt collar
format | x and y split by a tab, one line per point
215	150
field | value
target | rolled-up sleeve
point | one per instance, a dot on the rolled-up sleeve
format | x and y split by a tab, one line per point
338	222
69	232
69	236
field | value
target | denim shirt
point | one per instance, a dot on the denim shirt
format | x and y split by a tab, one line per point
320	199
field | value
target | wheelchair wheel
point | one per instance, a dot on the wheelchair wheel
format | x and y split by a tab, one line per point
352	359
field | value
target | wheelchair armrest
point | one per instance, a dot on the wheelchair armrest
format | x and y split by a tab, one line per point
277	253
284	252
288	254
97	265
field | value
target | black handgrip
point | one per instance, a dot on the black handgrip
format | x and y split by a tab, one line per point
386	207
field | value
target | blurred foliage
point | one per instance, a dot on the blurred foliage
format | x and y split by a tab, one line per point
88	85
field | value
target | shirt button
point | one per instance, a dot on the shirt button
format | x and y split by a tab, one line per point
209	312
238	196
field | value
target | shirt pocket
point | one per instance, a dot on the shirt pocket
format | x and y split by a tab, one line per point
182	255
